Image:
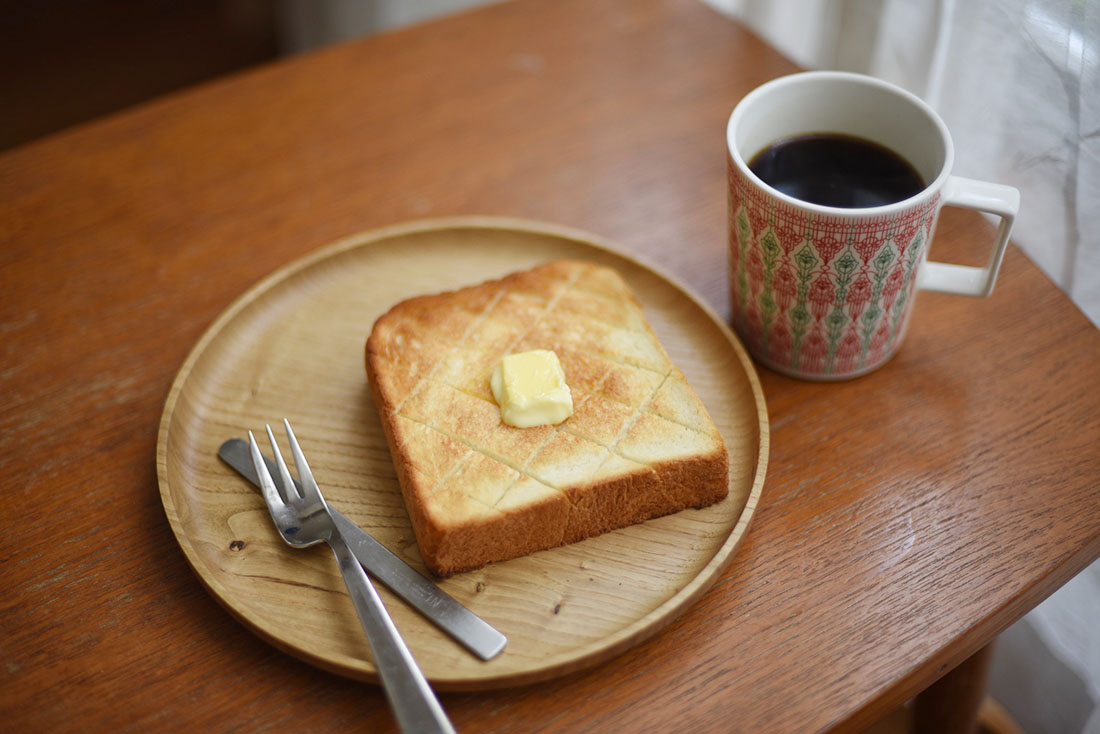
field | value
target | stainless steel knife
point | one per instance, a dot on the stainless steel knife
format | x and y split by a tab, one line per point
468	629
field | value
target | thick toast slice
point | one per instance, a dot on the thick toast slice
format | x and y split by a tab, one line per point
639	445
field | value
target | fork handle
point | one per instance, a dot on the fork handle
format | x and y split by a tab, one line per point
411	698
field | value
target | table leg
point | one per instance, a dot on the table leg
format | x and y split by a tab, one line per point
951	704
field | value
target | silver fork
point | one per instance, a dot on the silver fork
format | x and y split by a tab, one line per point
305	520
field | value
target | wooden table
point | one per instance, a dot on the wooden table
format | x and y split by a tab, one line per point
908	517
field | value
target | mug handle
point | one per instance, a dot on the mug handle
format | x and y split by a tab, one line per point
1002	201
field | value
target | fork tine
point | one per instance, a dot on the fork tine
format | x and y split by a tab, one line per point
289	490
310	490
267	484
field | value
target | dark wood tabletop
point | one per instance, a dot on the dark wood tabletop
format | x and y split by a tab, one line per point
907	518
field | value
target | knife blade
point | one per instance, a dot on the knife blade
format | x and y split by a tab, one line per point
465	627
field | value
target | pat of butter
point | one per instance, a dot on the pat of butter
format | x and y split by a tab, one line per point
530	389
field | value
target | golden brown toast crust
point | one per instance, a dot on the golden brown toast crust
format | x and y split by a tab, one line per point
639	445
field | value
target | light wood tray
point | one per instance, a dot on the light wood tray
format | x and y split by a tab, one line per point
293	346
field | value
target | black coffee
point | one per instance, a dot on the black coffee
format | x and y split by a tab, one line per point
837	170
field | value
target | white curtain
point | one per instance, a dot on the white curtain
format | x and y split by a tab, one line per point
1016	81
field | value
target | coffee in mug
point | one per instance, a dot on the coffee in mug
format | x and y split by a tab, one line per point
836	181
837	170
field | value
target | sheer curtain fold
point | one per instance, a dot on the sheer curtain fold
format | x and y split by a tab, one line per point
1016	81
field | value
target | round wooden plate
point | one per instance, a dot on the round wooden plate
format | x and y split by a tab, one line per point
293	346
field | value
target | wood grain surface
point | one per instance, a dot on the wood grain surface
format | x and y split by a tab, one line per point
907	517
293	346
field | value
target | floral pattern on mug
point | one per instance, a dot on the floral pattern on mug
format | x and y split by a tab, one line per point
821	295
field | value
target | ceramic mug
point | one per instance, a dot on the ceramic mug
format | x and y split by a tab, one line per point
822	292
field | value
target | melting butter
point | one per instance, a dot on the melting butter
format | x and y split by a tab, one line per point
530	389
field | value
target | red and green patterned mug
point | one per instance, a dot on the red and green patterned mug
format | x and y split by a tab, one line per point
824	292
